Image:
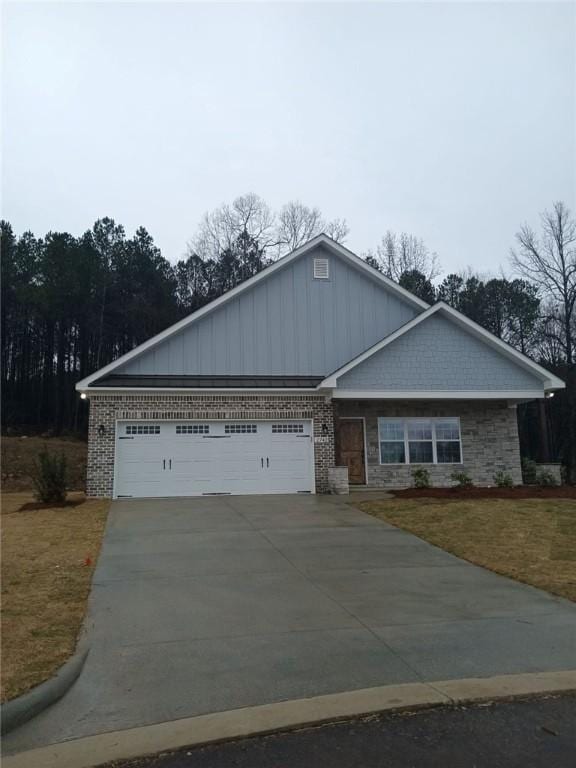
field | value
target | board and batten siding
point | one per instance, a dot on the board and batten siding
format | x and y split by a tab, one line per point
286	324
438	355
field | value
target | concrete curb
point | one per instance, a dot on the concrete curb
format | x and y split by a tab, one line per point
251	721
30	704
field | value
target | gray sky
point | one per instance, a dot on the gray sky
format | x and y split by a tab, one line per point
452	121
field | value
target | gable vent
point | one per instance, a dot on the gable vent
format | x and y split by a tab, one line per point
321	269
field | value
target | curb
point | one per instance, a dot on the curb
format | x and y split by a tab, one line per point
25	707
132	743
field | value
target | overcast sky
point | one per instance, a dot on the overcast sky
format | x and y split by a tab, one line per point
452	121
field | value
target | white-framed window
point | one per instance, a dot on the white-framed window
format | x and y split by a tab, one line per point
143	429
420	440
287	428
240	429
192	429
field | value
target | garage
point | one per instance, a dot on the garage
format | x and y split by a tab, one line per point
202	458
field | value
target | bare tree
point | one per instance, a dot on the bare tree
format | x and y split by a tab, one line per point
221	228
550	263
276	234
297	223
337	229
400	254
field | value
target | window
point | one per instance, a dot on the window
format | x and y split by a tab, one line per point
143	429
239	429
420	448
448	441
420	441
192	429
321	269
287	428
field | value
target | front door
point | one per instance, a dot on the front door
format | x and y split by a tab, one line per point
351	442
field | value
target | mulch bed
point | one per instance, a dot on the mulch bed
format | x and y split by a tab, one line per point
41	505
518	492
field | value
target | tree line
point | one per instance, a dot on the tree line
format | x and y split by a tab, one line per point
70	305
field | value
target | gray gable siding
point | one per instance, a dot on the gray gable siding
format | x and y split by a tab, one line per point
438	355
287	324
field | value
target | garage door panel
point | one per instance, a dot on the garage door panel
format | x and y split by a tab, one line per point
198	458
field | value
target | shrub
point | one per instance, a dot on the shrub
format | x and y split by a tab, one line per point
462	479
421	478
50	477
529	471
545	477
503	479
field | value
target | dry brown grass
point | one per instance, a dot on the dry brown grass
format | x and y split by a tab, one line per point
532	540
45	585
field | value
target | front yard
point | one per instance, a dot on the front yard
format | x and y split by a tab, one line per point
531	540
48	558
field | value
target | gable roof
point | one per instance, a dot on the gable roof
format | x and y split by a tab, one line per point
320	240
549	381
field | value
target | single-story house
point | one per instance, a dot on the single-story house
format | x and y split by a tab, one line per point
317	362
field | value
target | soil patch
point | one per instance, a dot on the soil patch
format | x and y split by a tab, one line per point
475	492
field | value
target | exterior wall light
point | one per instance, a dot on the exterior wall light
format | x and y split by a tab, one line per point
83	396
101	430
325	429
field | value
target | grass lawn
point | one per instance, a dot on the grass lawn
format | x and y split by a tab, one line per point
45	584
531	540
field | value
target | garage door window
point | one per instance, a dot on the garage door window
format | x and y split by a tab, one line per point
143	429
287	428
240	429
192	429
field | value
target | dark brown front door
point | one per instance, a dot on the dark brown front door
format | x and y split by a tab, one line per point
351	441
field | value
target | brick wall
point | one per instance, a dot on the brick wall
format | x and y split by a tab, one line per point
489	432
106	409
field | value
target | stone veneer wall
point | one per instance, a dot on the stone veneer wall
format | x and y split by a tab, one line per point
489	432
106	409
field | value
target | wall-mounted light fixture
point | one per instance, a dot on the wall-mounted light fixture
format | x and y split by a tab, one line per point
101	430
325	430
83	396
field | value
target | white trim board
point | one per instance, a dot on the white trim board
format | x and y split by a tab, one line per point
505	394
321	239
195	390
549	381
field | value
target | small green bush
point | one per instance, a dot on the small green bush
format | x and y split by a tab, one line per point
50	477
529	471
462	479
503	479
421	477
545	477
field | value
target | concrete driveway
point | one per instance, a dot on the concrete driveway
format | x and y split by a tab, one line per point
209	604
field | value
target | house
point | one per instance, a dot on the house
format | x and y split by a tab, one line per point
317	362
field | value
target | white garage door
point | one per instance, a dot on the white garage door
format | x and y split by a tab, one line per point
196	458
